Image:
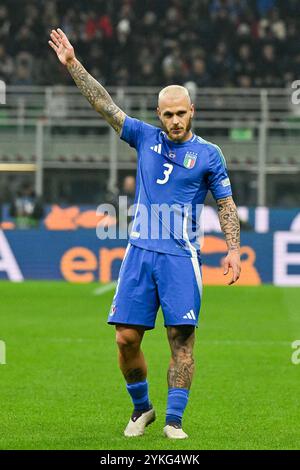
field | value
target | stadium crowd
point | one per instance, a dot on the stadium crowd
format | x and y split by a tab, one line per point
244	43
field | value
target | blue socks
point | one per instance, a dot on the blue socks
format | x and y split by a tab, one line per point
139	395
177	401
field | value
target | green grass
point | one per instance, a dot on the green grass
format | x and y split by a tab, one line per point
61	387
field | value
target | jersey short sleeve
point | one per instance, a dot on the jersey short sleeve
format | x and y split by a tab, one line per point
218	180
132	131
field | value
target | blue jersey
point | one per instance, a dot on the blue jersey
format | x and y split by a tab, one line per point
172	182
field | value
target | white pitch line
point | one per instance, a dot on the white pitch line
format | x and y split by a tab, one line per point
72	340
106	288
245	342
205	342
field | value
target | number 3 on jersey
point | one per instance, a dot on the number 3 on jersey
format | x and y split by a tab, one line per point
166	173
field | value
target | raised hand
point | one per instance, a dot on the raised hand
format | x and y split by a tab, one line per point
62	46
95	93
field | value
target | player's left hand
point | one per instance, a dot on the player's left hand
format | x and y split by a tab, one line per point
232	261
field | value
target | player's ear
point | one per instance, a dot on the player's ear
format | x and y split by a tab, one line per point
158	111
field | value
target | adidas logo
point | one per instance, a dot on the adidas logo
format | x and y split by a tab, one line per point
156	148
190	315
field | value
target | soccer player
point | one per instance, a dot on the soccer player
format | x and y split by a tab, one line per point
177	168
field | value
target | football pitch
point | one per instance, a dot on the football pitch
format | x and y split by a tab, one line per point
61	387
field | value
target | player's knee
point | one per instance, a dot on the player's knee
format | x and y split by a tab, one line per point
181	335
127	339
181	341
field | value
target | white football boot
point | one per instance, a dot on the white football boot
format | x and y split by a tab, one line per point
137	424
173	432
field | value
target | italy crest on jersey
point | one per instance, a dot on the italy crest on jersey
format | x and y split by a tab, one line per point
190	160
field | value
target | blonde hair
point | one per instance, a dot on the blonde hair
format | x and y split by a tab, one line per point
175	90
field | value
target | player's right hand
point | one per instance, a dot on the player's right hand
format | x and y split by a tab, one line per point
62	46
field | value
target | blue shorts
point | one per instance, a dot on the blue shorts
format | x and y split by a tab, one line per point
149	279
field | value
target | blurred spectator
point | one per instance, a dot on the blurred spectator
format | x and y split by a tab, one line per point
244	67
147	75
122	204
244	81
199	73
6	64
268	68
221	66
5	23
22	76
26	208
25	40
278	26
129	189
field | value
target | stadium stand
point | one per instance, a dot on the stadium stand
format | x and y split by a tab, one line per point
217	43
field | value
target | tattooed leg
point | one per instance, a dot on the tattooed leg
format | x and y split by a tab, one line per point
131	358
181	340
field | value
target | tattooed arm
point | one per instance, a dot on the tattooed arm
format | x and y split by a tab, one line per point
95	93
229	222
230	226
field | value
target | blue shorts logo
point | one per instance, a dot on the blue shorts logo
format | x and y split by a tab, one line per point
112	310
